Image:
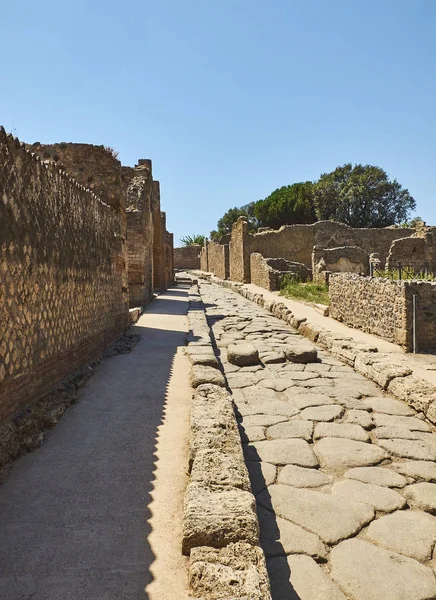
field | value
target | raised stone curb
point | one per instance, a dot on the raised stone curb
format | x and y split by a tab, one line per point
220	526
364	358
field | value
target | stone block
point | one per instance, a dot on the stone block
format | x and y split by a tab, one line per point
381	368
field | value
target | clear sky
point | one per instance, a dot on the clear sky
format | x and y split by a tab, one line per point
231	98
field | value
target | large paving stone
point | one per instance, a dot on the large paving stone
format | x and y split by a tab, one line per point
381	498
421	470
377	476
282	452
263	420
422	495
409	532
415	449
216	516
267	408
341	430
252	434
387	433
279	536
360	417
411	423
291	429
241	380
261	475
300	578
352	403
322	413
301	352
365	572
308	400
330	517
276	384
236	571
389	406
338	454
218	468
301	477
273	358
201	374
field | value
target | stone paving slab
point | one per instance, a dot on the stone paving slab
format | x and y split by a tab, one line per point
345	476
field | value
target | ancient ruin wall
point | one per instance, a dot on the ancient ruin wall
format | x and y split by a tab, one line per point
139	185
346	259
168	259
371	304
411	251
218	259
269	273
158	240
187	257
61	297
239	252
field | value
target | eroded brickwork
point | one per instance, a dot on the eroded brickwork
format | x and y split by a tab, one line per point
187	257
62	296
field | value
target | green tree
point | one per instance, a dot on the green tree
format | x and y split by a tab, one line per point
287	205
224	225
191	240
361	196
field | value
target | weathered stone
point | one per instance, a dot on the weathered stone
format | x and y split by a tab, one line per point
301	401
223	438
415	449
261	475
381	498
301	477
377	476
331	518
360	417
309	330
241	380
408	532
207	359
418	469
339	454
263	420
389	406
291	429
237	571
365	572
322	413
201	374
301	352
316	382
387	433
279	536
352	403
273	358
341	430
416	392
411	423
217	468
216	516
278	385
379	367
275	407
422	495
282	452
300	578
252	434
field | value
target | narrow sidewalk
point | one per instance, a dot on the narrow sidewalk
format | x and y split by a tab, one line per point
96	512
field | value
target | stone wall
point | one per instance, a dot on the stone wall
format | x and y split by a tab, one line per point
270	272
346	259
158	240
239	251
62	292
139	184
187	257
417	251
218	259
168	259
425	292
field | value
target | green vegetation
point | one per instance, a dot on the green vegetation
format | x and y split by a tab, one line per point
191	240
358	195
305	292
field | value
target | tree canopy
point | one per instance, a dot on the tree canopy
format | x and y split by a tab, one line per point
191	240
224	225
286	206
361	196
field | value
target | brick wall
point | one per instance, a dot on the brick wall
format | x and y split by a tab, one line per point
346	259
62	287
187	257
218	259
270	272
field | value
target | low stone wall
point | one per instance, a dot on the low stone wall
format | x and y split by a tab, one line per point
270	272
345	259
220	527
187	257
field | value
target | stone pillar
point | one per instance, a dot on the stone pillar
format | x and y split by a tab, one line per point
240	252
158	241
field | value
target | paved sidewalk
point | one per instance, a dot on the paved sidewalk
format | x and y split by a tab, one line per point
423	365
344	475
96	512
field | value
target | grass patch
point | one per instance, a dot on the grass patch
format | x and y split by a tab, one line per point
306	292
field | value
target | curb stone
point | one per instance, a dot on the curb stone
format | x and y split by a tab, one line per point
220	524
387	374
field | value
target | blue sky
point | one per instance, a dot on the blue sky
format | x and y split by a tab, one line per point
230	99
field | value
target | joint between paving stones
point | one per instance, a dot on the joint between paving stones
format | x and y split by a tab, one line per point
390	376
220	525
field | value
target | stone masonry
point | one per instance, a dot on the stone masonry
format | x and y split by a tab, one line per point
187	257
343	474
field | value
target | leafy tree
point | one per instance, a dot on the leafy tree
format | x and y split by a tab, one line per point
415	223
361	196
286	206
224	225
191	240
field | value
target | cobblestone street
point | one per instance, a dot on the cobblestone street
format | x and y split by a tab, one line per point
343	473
